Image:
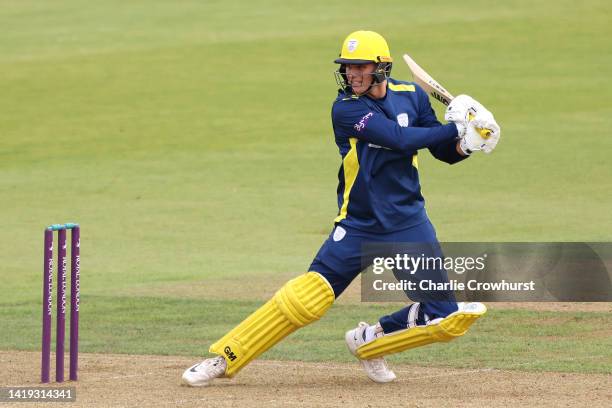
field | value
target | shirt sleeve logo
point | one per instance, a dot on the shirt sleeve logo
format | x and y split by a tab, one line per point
359	126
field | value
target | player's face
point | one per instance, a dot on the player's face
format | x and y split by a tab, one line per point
359	76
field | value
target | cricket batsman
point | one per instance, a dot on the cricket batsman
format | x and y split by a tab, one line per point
380	125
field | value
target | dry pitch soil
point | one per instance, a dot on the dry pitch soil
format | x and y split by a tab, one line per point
154	381
111	380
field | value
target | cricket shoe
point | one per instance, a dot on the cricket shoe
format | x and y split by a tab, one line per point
202	374
376	368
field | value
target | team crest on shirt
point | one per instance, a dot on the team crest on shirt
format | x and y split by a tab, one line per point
402	119
339	233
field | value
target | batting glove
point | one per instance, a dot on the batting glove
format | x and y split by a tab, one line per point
495	132
461	110
471	140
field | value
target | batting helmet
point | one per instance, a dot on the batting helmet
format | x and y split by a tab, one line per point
364	47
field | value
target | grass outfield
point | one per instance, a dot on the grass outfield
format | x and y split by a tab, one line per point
193	144
506	339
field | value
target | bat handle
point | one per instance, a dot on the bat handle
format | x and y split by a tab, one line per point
484	133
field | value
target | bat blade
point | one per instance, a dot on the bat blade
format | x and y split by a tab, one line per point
425	81
433	88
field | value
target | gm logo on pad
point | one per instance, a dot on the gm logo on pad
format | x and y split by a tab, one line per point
229	353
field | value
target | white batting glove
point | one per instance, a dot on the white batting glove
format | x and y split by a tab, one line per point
488	128
481	134
471	140
495	132
490	145
484	135
461	110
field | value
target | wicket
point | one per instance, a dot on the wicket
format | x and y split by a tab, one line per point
75	272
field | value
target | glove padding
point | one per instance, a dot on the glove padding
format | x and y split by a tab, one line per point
461	110
488	122
476	125
473	141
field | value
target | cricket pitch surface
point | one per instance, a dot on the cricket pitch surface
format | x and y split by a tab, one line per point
112	380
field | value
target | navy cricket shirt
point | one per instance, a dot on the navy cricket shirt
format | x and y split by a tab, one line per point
378	188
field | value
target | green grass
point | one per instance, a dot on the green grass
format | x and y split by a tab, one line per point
525	340
192	141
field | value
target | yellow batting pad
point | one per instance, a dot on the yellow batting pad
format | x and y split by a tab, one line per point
299	302
453	325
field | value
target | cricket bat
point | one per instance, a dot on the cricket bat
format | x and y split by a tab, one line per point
433	88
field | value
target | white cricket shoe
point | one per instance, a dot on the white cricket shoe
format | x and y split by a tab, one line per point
202	374
376	368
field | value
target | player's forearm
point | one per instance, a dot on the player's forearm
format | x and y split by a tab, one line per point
448	152
459	149
409	139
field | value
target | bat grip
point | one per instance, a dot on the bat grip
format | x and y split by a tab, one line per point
484	133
